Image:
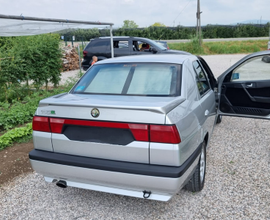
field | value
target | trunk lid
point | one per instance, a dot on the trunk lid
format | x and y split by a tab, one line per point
111	134
137	109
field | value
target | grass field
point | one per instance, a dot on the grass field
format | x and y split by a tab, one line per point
224	47
212	48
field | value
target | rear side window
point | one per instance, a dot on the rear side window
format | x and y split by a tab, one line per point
201	78
100	45
146	79
120	44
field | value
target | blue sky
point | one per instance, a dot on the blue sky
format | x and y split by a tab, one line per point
143	12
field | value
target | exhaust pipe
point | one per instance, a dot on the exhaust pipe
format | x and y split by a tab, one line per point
61	184
146	194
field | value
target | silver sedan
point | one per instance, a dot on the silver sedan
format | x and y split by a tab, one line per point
140	125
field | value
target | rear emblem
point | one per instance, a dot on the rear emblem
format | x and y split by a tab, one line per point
95	112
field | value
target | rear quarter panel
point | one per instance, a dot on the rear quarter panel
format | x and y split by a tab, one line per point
189	116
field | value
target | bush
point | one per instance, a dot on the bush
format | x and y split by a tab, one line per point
31	58
15	135
21	112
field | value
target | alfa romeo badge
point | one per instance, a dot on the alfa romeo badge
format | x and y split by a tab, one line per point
95	112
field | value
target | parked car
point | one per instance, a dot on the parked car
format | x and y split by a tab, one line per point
140	125
123	46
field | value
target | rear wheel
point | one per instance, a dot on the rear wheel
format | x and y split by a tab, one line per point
196	183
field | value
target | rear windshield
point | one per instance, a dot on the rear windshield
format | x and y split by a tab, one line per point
147	79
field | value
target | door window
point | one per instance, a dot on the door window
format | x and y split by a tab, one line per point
257	68
201	78
120	45
141	46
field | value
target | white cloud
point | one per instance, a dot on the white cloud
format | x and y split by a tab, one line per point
142	12
128	1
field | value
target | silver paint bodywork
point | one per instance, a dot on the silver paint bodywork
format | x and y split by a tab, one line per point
193	115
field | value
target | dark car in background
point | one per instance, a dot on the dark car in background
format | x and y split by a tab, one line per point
123	46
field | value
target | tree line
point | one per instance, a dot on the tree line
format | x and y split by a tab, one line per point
168	33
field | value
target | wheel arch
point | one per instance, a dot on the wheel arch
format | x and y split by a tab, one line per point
206	138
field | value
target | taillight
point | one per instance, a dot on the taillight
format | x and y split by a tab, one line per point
41	124
57	125
141	132
164	134
84	53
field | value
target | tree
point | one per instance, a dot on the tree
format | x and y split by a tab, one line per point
129	24
158	24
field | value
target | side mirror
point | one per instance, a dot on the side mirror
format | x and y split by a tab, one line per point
154	50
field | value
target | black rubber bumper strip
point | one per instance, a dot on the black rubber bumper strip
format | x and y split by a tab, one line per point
114	166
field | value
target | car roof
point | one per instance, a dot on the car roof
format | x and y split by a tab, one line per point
153	58
122	37
108	37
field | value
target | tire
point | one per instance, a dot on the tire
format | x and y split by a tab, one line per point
196	183
219	119
266	59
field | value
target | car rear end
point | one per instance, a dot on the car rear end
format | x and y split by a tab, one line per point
112	133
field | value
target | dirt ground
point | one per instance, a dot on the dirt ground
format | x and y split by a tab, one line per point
14	161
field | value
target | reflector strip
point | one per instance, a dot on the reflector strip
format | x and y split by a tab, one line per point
139	131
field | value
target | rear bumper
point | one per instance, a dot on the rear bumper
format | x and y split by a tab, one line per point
116	177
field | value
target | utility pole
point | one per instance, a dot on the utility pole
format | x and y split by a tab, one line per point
198	16
269	39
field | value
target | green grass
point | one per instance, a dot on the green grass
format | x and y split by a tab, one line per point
224	47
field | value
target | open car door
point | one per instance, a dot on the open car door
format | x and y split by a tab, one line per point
244	89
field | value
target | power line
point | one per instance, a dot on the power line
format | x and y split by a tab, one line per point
181	11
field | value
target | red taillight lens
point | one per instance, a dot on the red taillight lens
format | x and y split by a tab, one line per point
164	134
41	124
84	53
57	125
141	132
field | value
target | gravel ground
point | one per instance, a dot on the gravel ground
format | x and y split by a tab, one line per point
237	182
69	75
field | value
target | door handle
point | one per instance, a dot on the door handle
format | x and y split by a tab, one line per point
206	113
244	87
